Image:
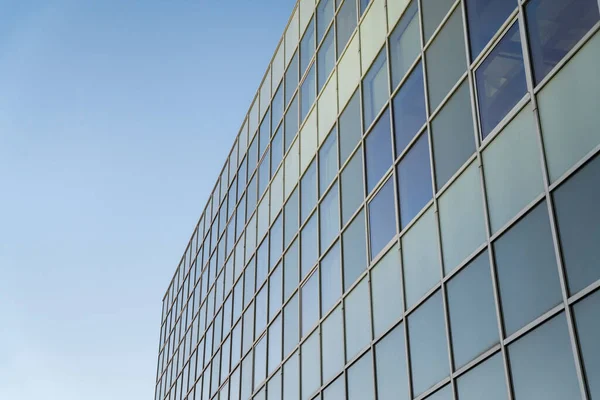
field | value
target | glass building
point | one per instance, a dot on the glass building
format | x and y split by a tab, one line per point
411	210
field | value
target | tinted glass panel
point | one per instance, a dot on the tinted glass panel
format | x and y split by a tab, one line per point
328	163
358	319
346	23
311	367
486	381
307	46
355	253
588	330
291	217
527	271
308	191
276	150
290	325
325	59
310	303
291	78
277	106
275	291
352	188
331	278
333	347
405	43
485	18
337	390
308	92
375	89
378	150
433	13
291	378
409	109
291	123
500	80
309	245
392	376
386	284
360	379
382	221
290	263
325	11
350	128
329	218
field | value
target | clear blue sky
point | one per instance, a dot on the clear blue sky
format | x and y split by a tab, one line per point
115	119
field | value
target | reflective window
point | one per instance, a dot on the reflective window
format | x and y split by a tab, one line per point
251	197
325	11
290	325
331	278
554	27
307	46
409	109
346	21
355	253
260	361
290	275
352	188
382	218
378	149
276	150
328	161
472	311
325	59
275	291
386	286
452	135
484	19
405	43
360	379
329	218
308	191
357	312
291	78
311	367
500	80
486	381
277	106
261	311
446	58
274	387
414	180
290	215
542	364
578	218
252	156
262	263
527	271
309	245
392	376
337	390
276	244
308	93
291	123
333	346
264	134
375	88
588	330
350	128
434	12
428	346
291	378
310	303
263	175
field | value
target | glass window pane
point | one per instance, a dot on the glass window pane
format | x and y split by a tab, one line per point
275	344
428	346
542	364
276	150
360	379
307	46
486	381
325	11
409	109
443	394
569	103
291	78
434	12
405	43
325	59
350	128
308	191
328	161
452	135
357	312
355	253
329	213
290	325
578	219
382	218
264	134
554	28
309	246
290	263
274	387
276	241
291	378
386	286
352	188
378	149
414	180
512	171
500	80
311	367
291	123
277	106
375	88
392	375
331	278
460	207
260	361
484	19
308	93
275	291
261	312
446	58
527	271
310	303
420	256
262	262
337	390
346	21
588	330
472	311
333	346
264	175
290	217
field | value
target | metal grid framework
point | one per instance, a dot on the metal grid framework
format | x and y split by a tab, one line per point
210	343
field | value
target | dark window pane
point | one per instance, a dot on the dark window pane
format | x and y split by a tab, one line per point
308	191
472	311
500	80
392	376
325	59
486	381
542	364
363	5
355	251
588	330
382	218
276	150
325	11
414	180
291	78
554	28
346	23
375	89
378	150
308	93
428	347
329	218
527	272
409	109
328	162
350	128
331	278
405	43
485	18
452	134
434	12
352	187
307	46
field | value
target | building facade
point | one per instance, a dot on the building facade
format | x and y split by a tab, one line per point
411	210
